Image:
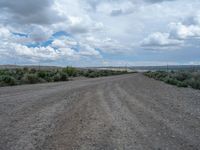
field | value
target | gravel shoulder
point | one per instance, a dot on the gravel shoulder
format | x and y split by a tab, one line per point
130	112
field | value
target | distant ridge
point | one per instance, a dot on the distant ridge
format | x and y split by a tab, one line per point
8	66
154	68
134	68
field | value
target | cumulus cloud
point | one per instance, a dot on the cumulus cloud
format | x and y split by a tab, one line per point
108	45
36	53
86	50
178	34
4	33
63	42
82	49
189	28
33	54
84	24
160	40
60	48
181	31
78	25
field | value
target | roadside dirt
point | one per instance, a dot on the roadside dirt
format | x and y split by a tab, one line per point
130	112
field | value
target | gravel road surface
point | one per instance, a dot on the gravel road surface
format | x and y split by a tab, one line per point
126	112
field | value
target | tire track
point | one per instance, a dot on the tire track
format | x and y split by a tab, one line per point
152	121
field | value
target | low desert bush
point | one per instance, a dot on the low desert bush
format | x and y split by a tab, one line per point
178	78
31	79
7	80
31	76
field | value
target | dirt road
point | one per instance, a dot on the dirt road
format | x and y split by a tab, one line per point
128	112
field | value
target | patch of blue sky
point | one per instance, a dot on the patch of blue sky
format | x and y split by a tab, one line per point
61	33
20	34
40	44
46	43
32	45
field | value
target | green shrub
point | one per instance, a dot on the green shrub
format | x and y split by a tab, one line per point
60	76
194	83
160	75
19	73
7	80
33	70
182	76
42	74
171	81
72	72
178	78
25	69
63	76
182	84
56	77
31	78
92	75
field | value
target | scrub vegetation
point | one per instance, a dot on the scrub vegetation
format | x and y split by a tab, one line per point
10	77
178	78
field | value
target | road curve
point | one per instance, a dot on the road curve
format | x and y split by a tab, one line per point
127	112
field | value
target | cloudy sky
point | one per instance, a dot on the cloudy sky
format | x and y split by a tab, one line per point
99	32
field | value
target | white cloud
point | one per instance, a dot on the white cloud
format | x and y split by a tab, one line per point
159	41
78	25
181	31
63	42
4	33
83	49
39	33
59	49
108	45
87	50
37	53
68	53
84	24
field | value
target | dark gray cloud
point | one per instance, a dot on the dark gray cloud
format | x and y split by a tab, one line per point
119	12
116	12
30	11
25	7
192	20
